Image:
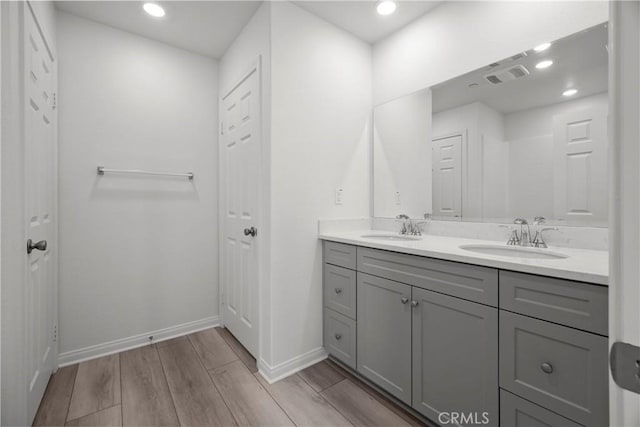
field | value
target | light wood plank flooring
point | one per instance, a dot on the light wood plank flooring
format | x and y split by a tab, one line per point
208	379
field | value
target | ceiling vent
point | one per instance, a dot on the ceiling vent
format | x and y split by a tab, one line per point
506	74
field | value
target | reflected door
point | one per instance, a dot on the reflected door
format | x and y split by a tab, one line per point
447	177
580	165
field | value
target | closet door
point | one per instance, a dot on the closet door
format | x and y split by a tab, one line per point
240	172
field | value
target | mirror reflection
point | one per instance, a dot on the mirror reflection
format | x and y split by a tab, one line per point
522	137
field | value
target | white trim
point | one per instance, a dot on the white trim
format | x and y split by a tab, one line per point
122	344
291	366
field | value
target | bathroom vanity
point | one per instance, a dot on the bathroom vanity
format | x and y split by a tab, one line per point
479	336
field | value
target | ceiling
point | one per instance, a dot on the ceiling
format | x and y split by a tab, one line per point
204	27
361	19
579	61
209	27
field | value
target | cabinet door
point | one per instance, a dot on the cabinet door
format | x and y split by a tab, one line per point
455	357
384	334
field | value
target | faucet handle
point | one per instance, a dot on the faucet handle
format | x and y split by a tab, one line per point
520	221
539	220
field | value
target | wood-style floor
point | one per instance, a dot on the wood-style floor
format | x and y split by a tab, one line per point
208	379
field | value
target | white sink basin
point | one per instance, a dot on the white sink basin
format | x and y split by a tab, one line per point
391	237
514	251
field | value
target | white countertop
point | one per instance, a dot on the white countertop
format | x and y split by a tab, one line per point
582	265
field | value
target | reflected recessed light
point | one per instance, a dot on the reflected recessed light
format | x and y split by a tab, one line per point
386	7
154	10
544	64
570	92
542	47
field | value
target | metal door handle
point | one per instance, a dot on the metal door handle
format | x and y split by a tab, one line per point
338	336
547	368
41	245
404	300
414	303
251	231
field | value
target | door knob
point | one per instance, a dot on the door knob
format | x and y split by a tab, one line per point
251	231
338	336
41	245
404	300
414	303
338	290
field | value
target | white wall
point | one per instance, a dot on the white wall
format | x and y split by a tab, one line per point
253	43
458	37
321	112
531	149
402	156
137	254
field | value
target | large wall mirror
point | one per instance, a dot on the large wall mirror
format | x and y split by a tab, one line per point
522	137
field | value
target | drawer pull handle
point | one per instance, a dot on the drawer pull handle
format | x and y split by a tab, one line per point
547	368
414	303
404	300
338	290
338	336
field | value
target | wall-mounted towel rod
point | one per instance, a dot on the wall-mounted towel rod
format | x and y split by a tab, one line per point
102	170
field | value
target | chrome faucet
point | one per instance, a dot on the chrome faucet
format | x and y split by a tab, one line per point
408	226
523	238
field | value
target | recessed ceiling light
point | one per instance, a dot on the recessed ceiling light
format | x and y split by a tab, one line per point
570	92
386	7
542	47
154	10
544	64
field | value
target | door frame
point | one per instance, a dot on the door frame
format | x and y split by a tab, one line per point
255	67
13	260
624	199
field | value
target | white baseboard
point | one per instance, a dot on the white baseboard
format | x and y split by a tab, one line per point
116	346
291	366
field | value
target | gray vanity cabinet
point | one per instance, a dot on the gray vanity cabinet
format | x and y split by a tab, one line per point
384	334
516	349
455	356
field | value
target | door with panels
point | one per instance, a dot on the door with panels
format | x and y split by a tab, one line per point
40	182
580	165
240	153
447	176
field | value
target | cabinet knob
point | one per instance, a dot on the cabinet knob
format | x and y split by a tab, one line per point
338	336
414	303
547	368
404	300
338	290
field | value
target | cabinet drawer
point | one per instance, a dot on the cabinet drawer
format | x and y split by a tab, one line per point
340	254
575	304
340	290
479	284
340	337
517	412
562	369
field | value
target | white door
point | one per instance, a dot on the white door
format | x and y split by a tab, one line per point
240	199
580	166
447	177
40	181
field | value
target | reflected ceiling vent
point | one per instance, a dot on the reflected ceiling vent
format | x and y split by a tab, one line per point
506	74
